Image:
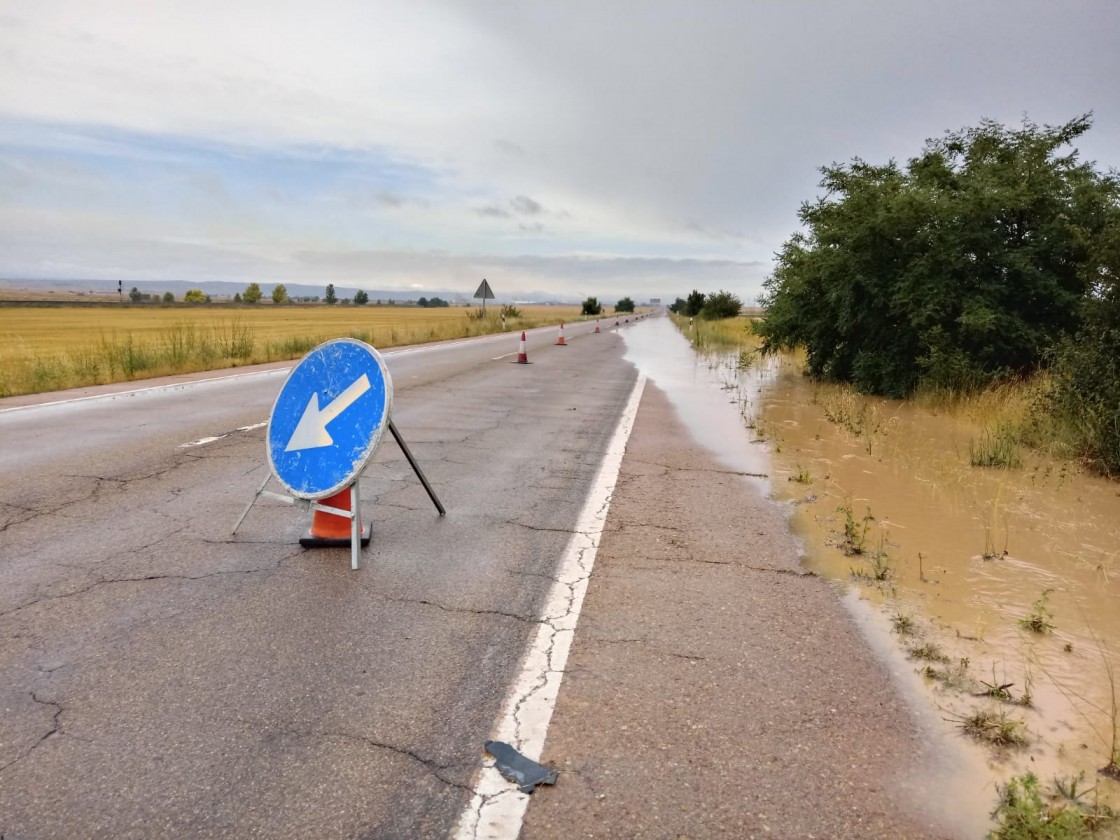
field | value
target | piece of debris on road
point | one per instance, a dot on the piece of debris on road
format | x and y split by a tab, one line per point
524	772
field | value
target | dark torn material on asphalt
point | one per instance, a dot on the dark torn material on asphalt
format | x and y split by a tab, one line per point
524	772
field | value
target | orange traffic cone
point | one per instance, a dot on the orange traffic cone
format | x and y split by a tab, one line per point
522	356
596	326
328	530
560	342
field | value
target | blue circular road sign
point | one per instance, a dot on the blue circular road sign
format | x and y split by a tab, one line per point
329	417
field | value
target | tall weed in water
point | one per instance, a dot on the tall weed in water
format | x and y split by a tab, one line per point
996	449
719	336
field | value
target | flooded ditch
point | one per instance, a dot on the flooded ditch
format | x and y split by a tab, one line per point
952	564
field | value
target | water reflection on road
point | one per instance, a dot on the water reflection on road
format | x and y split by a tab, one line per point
970	550
710	395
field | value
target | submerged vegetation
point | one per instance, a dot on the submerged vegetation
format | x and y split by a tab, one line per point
995	727
1039	619
1028	812
721	335
996	449
991	255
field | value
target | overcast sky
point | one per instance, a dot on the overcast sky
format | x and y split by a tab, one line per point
568	148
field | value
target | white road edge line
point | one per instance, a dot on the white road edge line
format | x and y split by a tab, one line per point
497	808
151	389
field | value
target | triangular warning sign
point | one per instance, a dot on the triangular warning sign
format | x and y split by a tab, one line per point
484	291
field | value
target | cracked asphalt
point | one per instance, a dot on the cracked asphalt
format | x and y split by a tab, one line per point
162	678
716	689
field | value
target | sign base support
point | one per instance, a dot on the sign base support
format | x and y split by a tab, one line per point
360	535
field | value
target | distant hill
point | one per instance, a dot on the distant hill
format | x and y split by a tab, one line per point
221	290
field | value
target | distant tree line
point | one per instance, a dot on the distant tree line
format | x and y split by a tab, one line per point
713	307
993	253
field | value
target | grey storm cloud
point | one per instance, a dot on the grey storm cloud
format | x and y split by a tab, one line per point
665	130
520	205
526	206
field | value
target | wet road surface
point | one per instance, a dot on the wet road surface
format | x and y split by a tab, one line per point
160	678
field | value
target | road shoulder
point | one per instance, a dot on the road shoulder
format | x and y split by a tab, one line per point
714	688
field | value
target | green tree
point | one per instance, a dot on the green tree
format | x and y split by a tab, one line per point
679	306
194	296
168	297
361	297
694	303
330	296
279	293
422	302
721	305
1085	393
252	293
624	305
961	268
134	295
237	297
591	306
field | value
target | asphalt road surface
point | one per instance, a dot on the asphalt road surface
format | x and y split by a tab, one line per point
162	678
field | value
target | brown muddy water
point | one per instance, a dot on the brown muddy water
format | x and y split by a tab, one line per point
965	553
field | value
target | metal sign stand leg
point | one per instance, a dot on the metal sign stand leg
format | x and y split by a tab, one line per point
249	506
416	468
356	526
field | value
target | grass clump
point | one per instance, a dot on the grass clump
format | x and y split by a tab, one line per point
855	533
927	652
998	449
1027	812
955	677
801	476
903	625
995	727
1039	619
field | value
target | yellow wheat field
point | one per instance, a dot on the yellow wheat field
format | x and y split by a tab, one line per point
56	347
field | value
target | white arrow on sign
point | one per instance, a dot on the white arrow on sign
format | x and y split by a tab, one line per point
311	432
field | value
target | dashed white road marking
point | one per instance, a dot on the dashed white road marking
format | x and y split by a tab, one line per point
136	392
497	808
203	441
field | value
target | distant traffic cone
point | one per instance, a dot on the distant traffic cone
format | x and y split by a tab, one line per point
522	356
328	530
596	326
560	342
